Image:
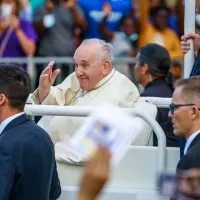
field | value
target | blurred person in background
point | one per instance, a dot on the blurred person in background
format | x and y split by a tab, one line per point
17	36
94	13
152	70
26	13
55	23
158	31
124	41
176	8
189	183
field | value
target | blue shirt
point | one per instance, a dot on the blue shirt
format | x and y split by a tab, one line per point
189	141
94	15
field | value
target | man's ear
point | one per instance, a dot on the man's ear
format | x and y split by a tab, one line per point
107	67
195	113
2	99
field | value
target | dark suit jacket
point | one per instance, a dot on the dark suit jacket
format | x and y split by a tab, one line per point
196	67
27	162
160	88
192	158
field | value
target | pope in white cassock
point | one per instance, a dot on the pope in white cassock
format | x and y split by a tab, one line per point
94	82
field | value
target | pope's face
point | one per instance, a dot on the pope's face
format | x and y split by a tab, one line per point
89	66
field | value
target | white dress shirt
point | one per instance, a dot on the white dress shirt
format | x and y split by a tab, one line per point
189	141
8	120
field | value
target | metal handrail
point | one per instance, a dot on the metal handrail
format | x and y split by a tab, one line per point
80	111
58	60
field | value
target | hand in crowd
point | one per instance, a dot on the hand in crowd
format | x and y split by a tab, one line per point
49	5
47	79
14	22
9	21
107	9
185	44
189	183
3	24
95	175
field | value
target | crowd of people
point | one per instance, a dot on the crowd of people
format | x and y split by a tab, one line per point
57	27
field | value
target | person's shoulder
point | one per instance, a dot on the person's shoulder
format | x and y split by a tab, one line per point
36	138
158	90
191	159
26	25
25	22
122	79
25	132
188	161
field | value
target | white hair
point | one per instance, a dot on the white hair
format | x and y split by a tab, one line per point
106	48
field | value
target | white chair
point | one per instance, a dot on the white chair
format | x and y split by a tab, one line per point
145	136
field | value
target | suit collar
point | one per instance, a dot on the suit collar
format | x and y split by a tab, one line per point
195	140
15	122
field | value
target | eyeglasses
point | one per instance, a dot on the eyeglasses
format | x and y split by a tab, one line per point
173	106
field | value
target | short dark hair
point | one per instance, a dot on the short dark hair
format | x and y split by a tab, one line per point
154	11
190	88
56	2
157	58
15	84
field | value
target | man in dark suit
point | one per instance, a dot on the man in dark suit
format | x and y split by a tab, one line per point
27	163
185	115
185	46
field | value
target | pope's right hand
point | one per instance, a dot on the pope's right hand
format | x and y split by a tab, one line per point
185	45
47	79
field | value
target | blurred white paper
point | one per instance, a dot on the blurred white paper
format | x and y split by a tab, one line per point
109	127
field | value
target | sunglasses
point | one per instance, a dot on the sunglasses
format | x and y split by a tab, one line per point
173	106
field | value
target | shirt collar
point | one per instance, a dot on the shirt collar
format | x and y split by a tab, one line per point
189	141
105	79
8	120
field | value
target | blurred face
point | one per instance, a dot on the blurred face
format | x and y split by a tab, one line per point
89	67
161	20
181	118
154	3
128	27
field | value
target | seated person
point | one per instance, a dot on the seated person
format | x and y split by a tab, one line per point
151	71
94	82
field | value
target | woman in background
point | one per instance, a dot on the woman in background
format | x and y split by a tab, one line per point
152	72
17	36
